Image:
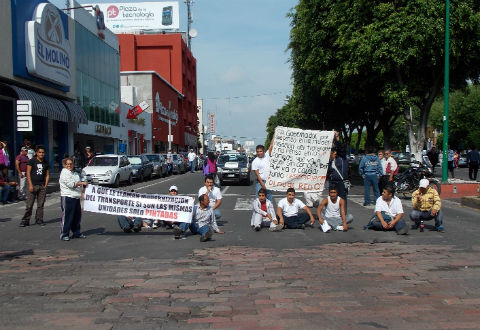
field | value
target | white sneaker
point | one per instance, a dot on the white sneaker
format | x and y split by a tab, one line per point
339	228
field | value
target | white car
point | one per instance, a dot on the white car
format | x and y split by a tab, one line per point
108	169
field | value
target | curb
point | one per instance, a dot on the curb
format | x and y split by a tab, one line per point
471	201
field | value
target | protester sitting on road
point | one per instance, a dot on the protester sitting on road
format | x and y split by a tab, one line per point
172	191
7	186
214	195
334	213
370	169
264	214
203	221
71	189
388	213
426	205
129	223
287	212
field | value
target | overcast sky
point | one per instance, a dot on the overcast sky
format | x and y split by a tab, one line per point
241	53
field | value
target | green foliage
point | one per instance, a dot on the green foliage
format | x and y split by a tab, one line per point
365	62
463	118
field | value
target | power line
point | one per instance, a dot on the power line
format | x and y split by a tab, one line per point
243	96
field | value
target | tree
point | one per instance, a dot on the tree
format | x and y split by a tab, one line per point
464	119
377	60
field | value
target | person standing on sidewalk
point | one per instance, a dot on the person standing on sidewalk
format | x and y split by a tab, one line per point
191	159
261	168
71	189
473	158
21	162
451	161
370	169
38	175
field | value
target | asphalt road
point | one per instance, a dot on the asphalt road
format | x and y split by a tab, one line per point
294	279
106	241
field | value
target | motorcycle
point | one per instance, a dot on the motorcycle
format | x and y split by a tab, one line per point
408	180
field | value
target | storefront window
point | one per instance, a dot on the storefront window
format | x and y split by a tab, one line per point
98	77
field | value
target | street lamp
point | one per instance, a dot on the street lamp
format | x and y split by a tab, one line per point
445	93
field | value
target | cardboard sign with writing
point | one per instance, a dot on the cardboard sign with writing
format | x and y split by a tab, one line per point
299	159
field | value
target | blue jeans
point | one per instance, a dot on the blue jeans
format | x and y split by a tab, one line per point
296	220
4	192
371	180
194	228
418	216
269	192
192	166
218	214
376	224
127	224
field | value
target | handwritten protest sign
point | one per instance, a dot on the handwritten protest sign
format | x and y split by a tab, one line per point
299	159
131	204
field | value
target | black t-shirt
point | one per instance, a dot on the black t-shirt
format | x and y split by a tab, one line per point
39	171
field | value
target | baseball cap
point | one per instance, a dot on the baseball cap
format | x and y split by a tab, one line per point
173	188
24	149
424	183
87	147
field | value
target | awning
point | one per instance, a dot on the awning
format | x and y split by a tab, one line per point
77	114
43	105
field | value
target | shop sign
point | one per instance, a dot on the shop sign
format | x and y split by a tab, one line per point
103	129
166	114
48	52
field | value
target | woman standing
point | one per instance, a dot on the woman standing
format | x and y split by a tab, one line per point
71	188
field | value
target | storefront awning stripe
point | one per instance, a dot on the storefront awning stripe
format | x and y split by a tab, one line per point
77	114
43	105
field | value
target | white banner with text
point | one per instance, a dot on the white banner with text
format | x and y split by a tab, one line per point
299	159
131	204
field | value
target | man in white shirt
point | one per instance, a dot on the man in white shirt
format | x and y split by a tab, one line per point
287	212
388	213
389	169
191	159
214	195
261	168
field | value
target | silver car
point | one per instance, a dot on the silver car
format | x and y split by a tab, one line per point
159	164
108	169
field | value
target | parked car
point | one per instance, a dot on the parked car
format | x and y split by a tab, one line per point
108	169
401	157
184	156
233	167
142	167
178	165
462	161
159	164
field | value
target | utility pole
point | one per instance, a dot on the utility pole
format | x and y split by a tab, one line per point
189	22
445	93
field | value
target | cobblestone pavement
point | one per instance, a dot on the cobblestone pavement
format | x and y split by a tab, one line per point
332	286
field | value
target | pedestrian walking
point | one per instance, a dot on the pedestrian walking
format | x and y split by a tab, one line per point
473	158
71	190
370	169
21	162
38	175
433	157
191	159
451	161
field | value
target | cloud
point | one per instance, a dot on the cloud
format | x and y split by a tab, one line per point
234	75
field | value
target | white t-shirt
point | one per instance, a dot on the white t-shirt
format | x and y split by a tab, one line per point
393	165
191	156
262	165
333	209
392	210
214	194
290	210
